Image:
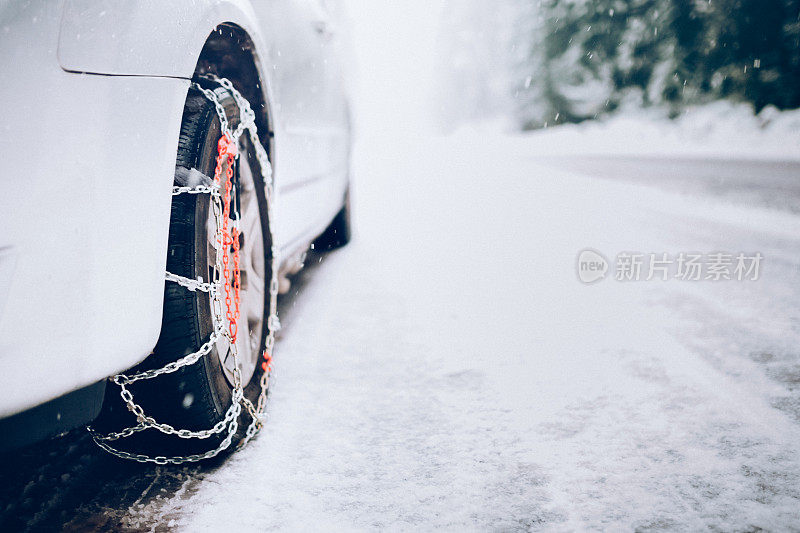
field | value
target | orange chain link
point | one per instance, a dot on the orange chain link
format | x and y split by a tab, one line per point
226	154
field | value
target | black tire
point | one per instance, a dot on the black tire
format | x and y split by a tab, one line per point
339	232
196	397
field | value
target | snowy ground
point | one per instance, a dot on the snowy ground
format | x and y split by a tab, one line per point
447	369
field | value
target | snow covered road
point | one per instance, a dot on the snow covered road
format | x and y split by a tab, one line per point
772	184
448	369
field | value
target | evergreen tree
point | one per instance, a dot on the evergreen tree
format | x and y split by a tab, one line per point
586	57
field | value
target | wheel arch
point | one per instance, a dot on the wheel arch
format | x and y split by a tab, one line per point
163	39
230	52
147	38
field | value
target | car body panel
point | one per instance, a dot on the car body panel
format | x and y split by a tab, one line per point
89	142
298	61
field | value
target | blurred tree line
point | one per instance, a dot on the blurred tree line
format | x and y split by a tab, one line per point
577	59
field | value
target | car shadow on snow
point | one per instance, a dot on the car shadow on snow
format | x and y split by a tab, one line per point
68	483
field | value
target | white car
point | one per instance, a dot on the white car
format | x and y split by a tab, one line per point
113	210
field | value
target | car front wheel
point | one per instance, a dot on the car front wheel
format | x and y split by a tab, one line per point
198	397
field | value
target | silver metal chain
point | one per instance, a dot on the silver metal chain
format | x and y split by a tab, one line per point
214	288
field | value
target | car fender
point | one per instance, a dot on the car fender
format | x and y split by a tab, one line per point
159	39
147	37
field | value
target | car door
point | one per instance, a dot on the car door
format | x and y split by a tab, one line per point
307	101
331	26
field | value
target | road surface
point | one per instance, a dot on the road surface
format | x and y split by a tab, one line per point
447	369
774	184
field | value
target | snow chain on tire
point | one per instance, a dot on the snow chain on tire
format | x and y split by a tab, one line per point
228	150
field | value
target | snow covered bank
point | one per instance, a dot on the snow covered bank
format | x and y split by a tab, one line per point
720	130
